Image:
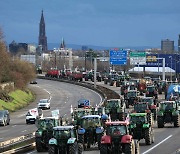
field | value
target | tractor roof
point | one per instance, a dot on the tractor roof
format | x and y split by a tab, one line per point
91	116
132	91
138	114
168	102
63	127
113	100
147	98
117	123
81	109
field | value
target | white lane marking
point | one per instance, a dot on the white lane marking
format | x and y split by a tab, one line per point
157	144
31	152
14	126
24	131
47	91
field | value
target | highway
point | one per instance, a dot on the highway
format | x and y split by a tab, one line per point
167	140
62	96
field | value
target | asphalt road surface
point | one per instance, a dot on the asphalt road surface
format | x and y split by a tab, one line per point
167	140
62	96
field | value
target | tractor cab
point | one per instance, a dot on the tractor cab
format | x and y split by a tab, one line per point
141	107
91	121
168	106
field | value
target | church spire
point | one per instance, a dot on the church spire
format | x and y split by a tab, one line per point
62	44
42	33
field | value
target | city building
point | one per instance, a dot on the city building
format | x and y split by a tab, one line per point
42	34
167	46
179	44
15	48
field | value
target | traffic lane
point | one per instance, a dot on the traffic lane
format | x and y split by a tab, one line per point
59	93
18	125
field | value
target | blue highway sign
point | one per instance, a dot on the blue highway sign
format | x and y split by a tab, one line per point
118	57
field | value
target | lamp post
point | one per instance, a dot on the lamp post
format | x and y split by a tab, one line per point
171	68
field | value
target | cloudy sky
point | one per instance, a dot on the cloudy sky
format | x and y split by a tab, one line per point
113	23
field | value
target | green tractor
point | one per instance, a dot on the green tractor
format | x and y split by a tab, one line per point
143	107
115	108
78	113
90	131
117	139
140	128
168	113
44	133
64	140
131	97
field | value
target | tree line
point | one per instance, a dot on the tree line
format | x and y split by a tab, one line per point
12	69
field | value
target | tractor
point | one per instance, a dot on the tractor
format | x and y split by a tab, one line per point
168	113
140	127
131	97
64	140
118	140
115	108
78	113
143	107
90	131
44	133
151	91
152	103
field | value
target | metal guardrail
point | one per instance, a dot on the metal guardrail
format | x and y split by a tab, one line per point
15	145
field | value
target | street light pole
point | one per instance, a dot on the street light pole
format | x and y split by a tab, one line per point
171	68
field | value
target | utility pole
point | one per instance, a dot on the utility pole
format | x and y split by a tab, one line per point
95	68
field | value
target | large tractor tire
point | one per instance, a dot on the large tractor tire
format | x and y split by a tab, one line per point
99	136
148	136
73	149
176	121
39	146
136	147
52	149
104	149
80	148
129	148
81	139
160	122
150	118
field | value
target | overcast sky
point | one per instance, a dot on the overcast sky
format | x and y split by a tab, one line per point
113	23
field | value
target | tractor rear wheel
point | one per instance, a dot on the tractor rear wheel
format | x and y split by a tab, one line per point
150	119
104	149
148	136
52	149
160	122
73	148
39	146
129	148
176	121
80	148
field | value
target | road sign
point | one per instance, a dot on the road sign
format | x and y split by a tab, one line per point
138	58
118	57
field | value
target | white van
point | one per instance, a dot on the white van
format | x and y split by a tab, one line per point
33	114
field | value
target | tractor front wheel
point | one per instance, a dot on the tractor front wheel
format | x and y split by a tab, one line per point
52	149
80	148
129	148
148	136
160	122
39	146
176	121
104	149
73	148
136	147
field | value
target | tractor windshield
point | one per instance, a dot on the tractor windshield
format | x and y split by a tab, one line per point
140	107
91	122
116	130
113	104
136	119
46	123
148	100
150	89
167	106
131	94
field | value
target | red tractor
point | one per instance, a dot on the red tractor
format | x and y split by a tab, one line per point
117	139
54	73
76	76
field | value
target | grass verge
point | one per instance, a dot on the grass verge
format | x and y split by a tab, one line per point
20	100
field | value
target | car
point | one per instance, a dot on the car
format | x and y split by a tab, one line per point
33	82
33	115
44	104
4	117
84	103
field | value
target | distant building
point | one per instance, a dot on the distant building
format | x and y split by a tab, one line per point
84	48
42	34
179	44
63	45
31	48
14	48
167	46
